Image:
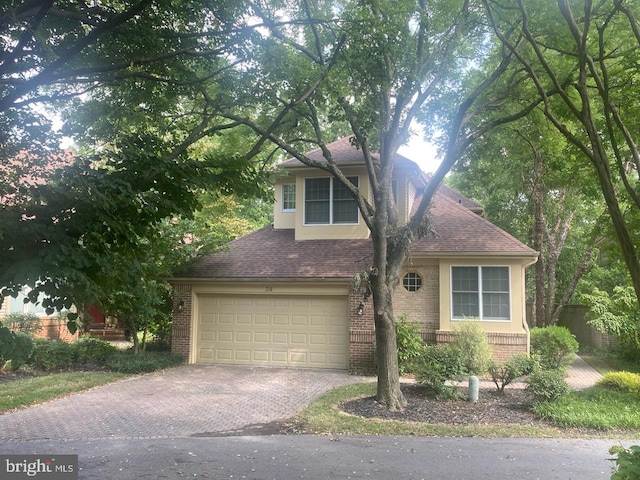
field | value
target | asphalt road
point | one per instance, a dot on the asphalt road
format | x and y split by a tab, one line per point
331	457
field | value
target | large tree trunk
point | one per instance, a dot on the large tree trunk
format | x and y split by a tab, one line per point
539	312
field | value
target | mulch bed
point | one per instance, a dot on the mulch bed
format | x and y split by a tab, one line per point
511	407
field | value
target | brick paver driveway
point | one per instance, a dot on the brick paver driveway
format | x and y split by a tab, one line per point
191	400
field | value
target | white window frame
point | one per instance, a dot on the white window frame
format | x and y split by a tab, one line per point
480	292
331	202
284	195
15	303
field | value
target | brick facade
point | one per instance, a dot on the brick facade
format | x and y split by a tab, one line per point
181	327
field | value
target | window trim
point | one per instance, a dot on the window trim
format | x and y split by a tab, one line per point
27	307
287	210
480	292
415	282
331	203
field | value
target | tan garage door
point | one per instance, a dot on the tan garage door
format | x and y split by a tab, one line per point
273	330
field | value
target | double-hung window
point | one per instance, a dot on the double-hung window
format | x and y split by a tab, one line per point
480	292
289	197
327	201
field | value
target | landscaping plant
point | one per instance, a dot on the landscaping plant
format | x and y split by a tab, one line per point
516	367
627	462
621	382
547	385
438	364
473	347
553	346
15	348
410	343
28	323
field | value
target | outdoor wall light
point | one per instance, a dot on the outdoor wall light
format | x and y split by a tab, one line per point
360	310
180	305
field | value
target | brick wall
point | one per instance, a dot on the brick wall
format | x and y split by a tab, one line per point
56	329
361	336
181	326
503	345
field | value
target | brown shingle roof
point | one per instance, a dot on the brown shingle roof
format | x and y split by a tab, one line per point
275	254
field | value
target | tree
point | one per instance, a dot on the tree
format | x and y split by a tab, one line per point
582	58
135	85
525	176
370	69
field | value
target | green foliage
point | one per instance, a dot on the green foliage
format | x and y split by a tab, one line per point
28	323
547	385
553	346
627	463
617	313
126	362
473	347
621	381
90	349
409	342
438	364
52	355
516	367
15	348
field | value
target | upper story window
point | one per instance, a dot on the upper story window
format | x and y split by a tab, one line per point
480	292
289	197
327	201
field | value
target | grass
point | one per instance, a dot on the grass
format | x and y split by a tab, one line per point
324	416
32	391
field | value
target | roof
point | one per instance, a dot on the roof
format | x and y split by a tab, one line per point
275	254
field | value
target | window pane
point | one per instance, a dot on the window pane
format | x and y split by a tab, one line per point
345	208
289	197
316	204
495	279
465	305
464	279
495	306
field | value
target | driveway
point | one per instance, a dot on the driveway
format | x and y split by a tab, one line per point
191	400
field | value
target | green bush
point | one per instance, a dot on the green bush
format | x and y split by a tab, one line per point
127	362
555	347
15	348
621	381
51	355
627	462
516	367
409	342
28	323
547	385
473	347
90	349
436	365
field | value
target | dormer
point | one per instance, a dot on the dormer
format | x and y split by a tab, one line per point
317	206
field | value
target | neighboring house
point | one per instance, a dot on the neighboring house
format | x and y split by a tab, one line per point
280	296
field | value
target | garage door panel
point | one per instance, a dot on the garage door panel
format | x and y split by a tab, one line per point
273	330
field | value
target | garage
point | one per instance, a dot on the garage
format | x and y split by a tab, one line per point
273	330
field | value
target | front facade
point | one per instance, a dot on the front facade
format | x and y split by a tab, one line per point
280	296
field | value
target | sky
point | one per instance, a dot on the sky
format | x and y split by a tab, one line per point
421	152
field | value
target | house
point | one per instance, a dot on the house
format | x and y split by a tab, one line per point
280	296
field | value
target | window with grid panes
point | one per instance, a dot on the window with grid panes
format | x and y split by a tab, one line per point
480	292
327	201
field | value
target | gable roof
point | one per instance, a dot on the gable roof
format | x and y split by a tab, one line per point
275	254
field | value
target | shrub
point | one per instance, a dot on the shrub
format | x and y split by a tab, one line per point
91	349
473	347
15	348
409	342
555	347
127	362
436	365
50	355
621	381
516	367
627	462
28	323
547	385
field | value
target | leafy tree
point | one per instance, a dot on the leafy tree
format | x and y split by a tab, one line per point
582	59
617	314
370	69
135	85
526	177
